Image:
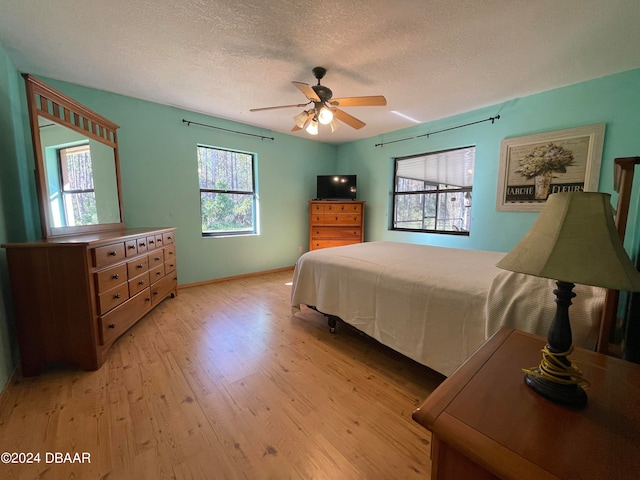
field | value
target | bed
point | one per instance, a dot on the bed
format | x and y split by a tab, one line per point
435	305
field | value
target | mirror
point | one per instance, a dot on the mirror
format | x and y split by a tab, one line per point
77	168
80	177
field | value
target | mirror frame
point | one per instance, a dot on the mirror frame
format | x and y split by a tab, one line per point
45	101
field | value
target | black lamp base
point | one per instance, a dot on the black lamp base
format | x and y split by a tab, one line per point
559	343
569	395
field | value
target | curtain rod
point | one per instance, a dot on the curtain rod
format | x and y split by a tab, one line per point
490	119
261	137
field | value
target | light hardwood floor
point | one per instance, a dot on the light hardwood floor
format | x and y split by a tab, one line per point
223	382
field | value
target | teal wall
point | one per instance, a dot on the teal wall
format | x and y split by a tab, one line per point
160	184
613	100
16	193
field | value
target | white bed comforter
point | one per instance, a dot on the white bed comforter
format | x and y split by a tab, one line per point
428	303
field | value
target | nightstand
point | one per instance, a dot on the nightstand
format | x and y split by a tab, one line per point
487	424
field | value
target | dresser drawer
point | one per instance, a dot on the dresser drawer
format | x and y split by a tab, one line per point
336	232
343	208
151	242
131	248
109	254
137	266
336	219
347	207
112	298
116	322
111	278
138	283
156	258
161	289
167	238
169	264
156	273
142	244
317	244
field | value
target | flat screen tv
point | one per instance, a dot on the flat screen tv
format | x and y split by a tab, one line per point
336	187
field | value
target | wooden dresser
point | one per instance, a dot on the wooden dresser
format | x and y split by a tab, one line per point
487	424
334	223
74	296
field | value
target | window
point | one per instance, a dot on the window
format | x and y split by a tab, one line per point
432	192
76	186
227	192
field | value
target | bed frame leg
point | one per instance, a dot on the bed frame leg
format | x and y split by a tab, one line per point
332	320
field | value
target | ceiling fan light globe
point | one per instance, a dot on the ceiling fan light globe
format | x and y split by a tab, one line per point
325	116
301	118
312	128
335	124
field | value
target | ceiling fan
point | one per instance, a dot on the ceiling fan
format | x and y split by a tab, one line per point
325	108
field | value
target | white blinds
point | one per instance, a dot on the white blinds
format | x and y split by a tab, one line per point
451	167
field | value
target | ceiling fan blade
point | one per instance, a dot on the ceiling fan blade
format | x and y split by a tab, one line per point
307	91
371	101
279	106
348	119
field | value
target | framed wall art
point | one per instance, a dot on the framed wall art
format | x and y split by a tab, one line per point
535	166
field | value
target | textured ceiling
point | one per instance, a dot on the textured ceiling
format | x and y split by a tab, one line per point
430	59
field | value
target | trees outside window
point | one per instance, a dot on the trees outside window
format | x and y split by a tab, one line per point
76	186
227	192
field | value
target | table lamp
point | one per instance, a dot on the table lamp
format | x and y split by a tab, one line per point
573	240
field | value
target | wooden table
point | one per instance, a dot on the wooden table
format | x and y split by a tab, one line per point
488	424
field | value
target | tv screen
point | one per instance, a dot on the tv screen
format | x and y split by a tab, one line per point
336	187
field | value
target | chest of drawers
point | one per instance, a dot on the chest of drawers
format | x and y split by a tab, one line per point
74	296
335	223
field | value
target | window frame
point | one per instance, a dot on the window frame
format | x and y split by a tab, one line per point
438	191
253	194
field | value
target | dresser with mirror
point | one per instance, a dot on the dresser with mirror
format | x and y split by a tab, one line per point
90	278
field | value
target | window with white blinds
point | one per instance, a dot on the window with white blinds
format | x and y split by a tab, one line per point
433	192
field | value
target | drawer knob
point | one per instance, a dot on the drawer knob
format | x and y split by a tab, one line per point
155	293
142	244
141	282
113	253
117	295
157	259
139	265
158	273
151	241
169	238
171	265
116	276
112	325
132	247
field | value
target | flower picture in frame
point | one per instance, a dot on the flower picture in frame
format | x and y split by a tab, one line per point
535	166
